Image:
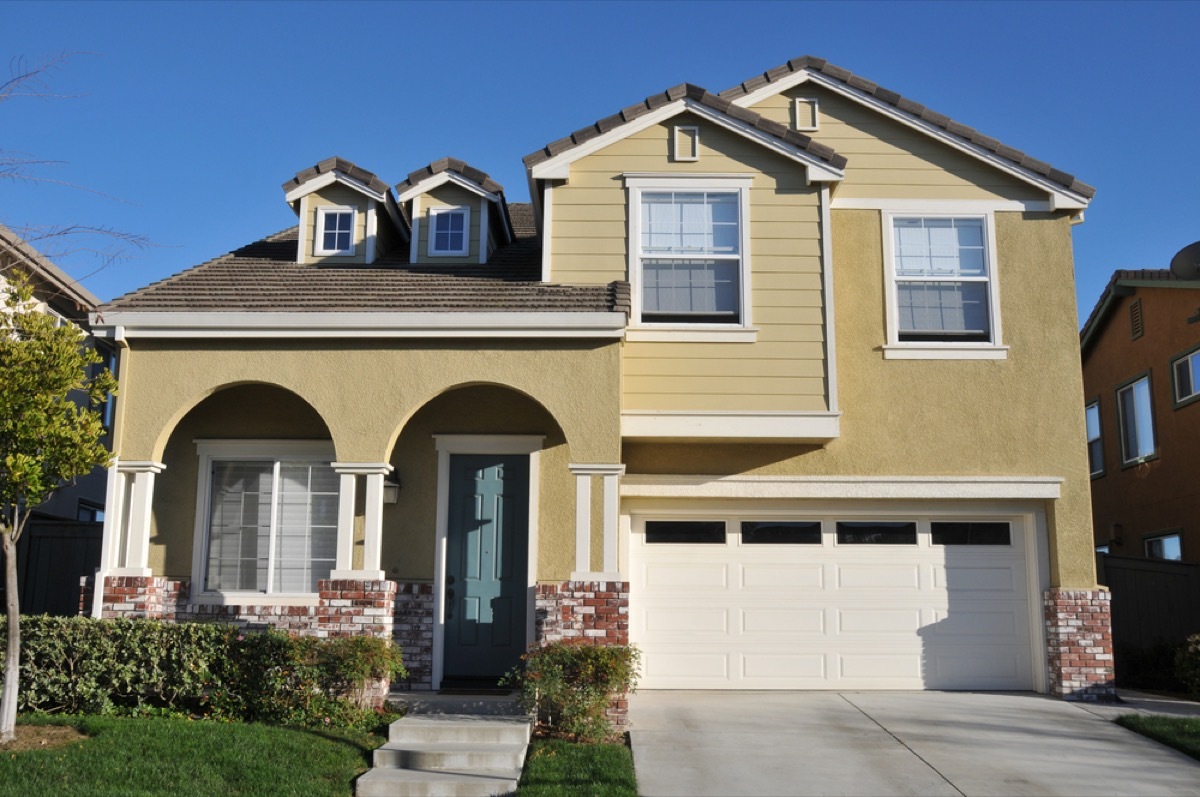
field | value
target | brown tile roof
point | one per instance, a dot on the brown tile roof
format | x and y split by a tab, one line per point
1120	279
265	276
702	96
340	165
814	64
451	165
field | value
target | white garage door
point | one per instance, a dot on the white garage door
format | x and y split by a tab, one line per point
843	602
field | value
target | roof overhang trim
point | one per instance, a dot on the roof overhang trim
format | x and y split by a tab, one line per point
441	178
329	178
123	325
559	167
1060	198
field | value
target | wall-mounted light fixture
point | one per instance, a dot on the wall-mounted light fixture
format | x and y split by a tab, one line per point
391	489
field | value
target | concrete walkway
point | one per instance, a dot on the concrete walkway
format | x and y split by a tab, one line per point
892	743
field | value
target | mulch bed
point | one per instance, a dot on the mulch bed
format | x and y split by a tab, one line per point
42	737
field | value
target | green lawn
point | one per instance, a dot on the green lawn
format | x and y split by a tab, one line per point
172	758
1182	733
555	768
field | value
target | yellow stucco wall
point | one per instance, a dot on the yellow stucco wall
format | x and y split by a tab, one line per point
378	404
890	160
1022	416
783	369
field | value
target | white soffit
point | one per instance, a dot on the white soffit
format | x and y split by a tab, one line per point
1060	198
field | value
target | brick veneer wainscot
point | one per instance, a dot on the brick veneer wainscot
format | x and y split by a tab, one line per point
1079	644
596	612
412	628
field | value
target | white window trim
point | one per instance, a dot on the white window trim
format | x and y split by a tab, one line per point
799	104
1192	358
1126	459
895	349
319	232
743	331
206	452
431	234
679	145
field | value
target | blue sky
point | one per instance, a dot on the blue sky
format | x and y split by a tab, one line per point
187	117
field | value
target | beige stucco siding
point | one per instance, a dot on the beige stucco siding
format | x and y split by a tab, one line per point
377	404
588	240
1022	416
448	196
888	160
336	196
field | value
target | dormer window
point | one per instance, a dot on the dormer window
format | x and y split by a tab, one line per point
335	231
448	231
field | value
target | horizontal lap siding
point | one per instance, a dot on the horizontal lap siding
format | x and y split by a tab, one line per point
448	196
888	160
784	370
337	196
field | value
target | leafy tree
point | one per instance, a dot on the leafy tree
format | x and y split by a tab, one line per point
50	433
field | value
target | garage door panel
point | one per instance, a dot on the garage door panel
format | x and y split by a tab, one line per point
684	668
874	621
868	667
878	577
987	668
996	578
775	622
779	576
784	670
687	619
688	575
971	625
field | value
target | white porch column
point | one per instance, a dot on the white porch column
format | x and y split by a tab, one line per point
131	556
374	473
583	521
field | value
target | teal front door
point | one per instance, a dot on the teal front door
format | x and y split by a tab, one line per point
487	538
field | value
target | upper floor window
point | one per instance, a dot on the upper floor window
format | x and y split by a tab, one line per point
689	265
942	290
1187	377
1137	421
335	231
449	231
1164	546
1094	445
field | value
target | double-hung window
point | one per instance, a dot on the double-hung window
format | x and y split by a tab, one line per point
689	263
335	231
1095	446
1137	421
941	282
267	517
449	231
1187	378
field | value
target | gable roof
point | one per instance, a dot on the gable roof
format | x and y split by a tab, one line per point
794	71
453	166
679	99
50	282
1123	283
335	169
264	277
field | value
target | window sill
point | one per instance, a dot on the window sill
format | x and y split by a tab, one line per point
255	599
693	334
908	351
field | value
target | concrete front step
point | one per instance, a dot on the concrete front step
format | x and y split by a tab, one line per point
448	754
468	728
424	783
504	705
451	755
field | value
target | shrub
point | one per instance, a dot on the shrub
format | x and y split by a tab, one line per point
81	665
1151	667
1187	664
569	686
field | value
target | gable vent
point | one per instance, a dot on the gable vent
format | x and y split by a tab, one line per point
1136	329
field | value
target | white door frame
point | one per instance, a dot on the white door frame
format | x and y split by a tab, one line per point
447	445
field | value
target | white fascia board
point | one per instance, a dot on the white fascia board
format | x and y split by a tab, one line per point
1060	198
329	178
145	325
769	426
441	178
942	205
559	167
844	487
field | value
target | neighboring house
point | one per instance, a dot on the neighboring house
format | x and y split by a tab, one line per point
779	384
1141	378
61	542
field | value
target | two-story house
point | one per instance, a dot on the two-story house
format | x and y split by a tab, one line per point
61	544
1141	379
779	384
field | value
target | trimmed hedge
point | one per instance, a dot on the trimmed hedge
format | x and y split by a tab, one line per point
81	665
569	685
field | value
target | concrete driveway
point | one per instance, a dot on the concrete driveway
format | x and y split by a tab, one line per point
892	743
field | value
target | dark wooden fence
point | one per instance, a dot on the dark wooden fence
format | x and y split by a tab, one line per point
52	555
1152	600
